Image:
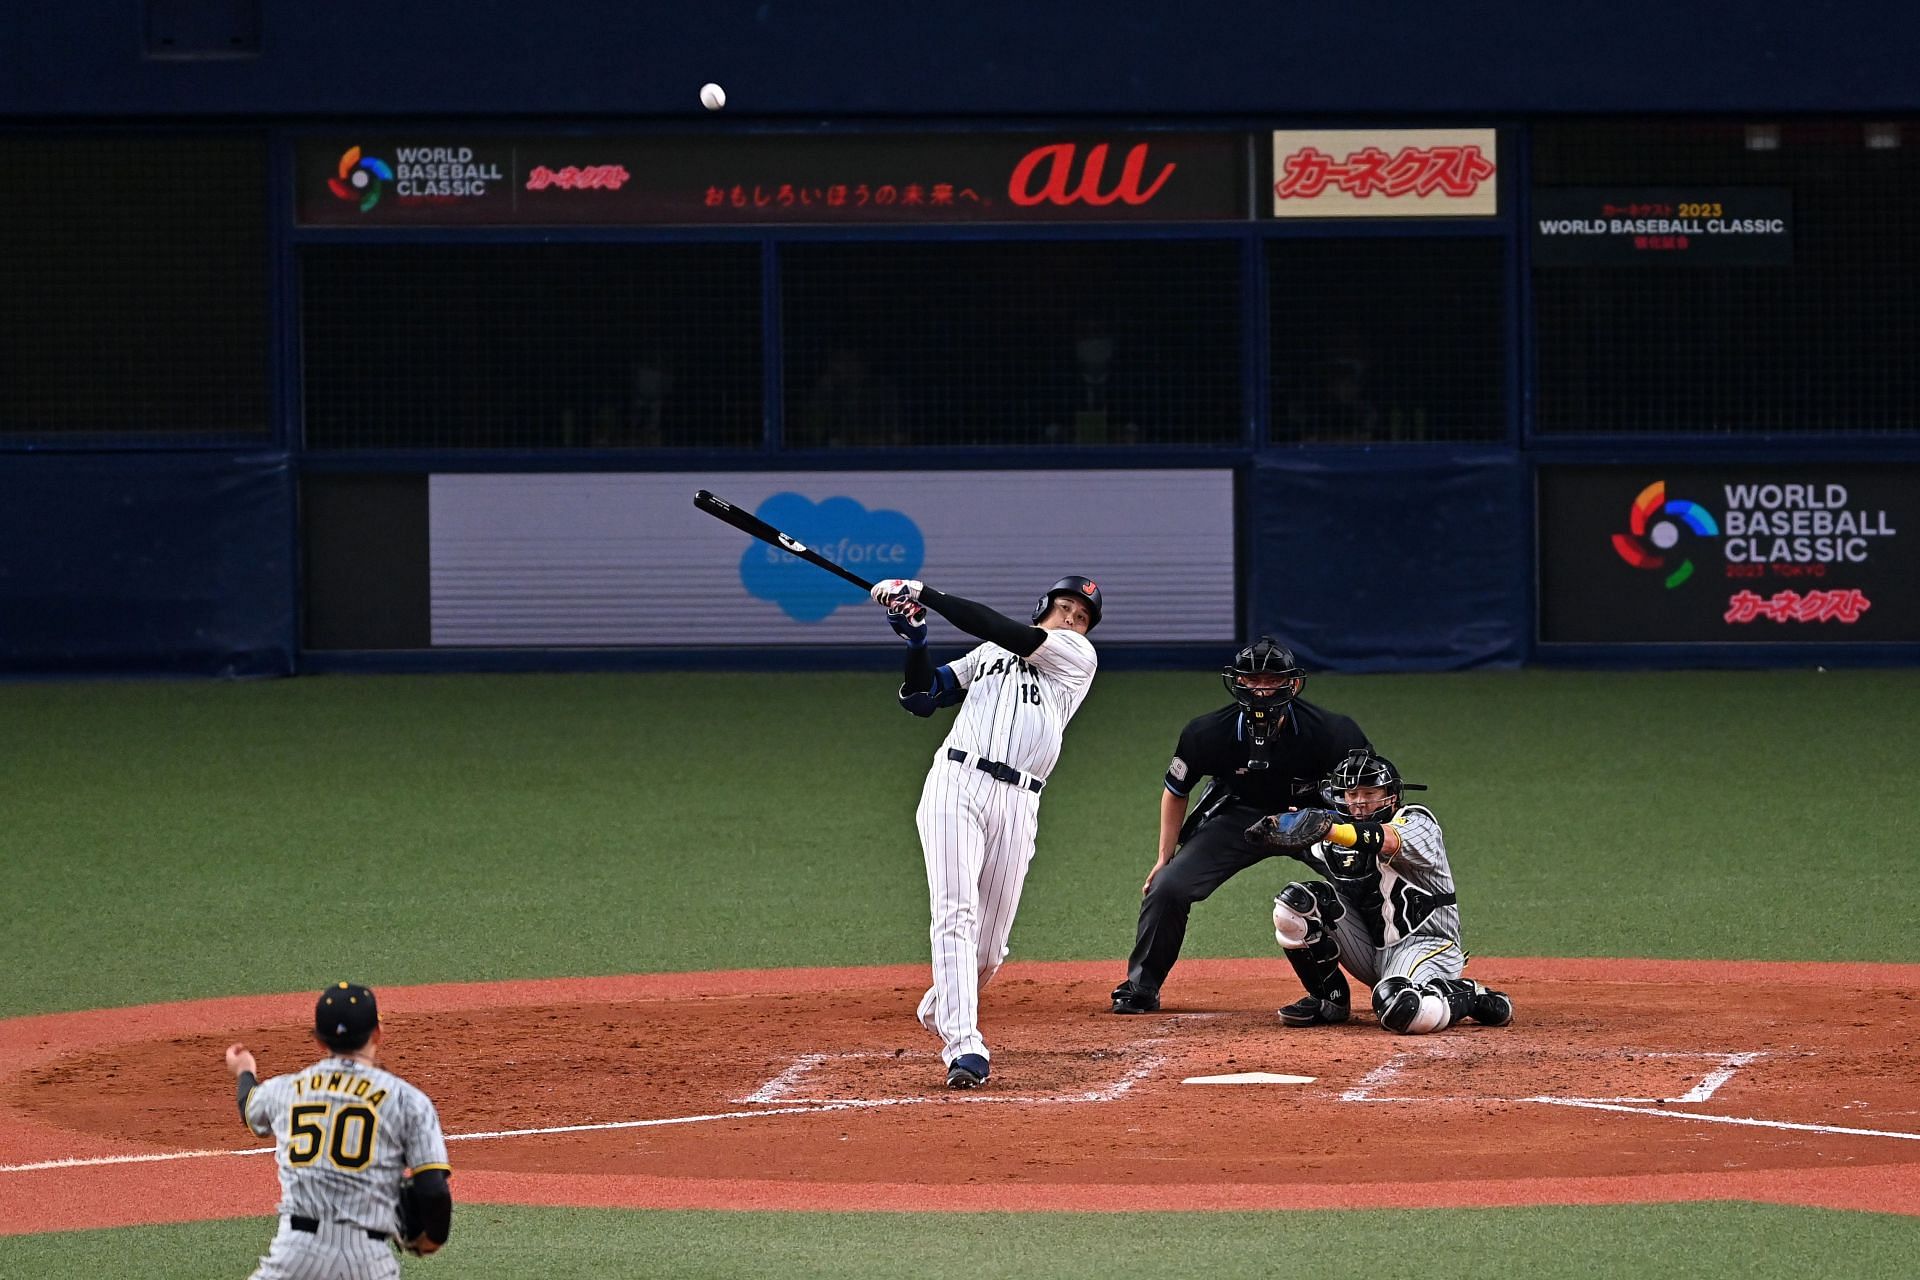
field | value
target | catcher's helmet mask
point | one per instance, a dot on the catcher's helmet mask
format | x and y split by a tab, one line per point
1363	769
1086	590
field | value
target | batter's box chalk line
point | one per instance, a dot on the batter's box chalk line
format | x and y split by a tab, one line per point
1383	1082
1729	1064
786	1088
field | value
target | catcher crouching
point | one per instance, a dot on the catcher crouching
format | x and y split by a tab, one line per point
1387	911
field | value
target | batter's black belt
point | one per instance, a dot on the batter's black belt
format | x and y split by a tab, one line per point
312	1226
997	771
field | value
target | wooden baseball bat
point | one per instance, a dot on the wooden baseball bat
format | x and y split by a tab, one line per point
754	526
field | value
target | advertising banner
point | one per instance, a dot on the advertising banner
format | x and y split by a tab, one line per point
627	560
1797	553
1384	173
452	177
1662	226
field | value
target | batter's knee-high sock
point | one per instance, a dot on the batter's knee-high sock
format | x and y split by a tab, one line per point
1318	967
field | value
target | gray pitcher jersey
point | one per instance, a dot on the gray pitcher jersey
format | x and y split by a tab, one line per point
344	1134
1017	708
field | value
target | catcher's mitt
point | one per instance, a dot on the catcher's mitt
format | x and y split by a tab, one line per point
1291	832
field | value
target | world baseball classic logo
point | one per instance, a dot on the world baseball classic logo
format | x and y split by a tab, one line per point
361	178
1651	537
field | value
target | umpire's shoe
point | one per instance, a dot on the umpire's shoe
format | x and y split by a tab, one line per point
1311	1011
968	1071
1490	1008
1128	998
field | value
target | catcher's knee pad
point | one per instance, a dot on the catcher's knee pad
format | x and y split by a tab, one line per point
1303	913
1395	1002
1408	1009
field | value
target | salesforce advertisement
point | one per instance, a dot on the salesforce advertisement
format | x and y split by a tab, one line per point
1794	553
627	560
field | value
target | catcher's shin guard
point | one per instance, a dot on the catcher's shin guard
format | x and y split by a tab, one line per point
1459	995
1475	1000
1490	1008
1396	1002
1317	965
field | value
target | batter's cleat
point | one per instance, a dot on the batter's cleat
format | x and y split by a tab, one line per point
1490	1008
1128	998
968	1071
1311	1011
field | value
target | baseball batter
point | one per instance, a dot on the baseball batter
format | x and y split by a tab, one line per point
345	1135
980	809
1387	910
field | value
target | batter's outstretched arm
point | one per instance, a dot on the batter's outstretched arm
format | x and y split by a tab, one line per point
982	623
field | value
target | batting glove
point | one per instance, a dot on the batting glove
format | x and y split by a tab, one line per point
899	595
910	626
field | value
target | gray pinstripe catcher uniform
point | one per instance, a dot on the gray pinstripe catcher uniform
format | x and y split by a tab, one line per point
977	831
1399	930
344	1135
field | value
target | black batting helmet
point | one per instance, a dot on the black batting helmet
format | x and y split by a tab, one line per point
1363	768
1264	657
1072	585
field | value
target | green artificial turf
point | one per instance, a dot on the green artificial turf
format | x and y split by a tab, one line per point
1698	1241
170	840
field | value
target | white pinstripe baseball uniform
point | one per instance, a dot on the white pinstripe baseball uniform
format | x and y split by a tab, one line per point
978	824
344	1133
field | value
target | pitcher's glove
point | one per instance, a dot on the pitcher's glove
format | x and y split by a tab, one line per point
413	1238
1292	832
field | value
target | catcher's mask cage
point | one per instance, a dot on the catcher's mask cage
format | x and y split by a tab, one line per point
1362	768
1264	657
1085	589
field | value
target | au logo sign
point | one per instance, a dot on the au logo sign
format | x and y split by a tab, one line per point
1059	186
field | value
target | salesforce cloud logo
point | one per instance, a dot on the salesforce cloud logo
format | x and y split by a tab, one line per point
873	544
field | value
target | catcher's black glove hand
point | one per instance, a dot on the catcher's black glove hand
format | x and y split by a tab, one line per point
1291	832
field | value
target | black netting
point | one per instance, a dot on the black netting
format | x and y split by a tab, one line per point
1387	339
970	343
1828	343
531	346
134	289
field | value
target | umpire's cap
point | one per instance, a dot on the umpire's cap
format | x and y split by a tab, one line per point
1072	585
345	1016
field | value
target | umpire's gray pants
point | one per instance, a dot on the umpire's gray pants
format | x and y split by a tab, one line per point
337	1251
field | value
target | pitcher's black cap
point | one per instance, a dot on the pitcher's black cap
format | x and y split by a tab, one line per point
345	1015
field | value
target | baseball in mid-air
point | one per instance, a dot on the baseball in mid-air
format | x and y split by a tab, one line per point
712	97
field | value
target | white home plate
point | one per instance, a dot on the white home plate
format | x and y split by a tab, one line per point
1249	1077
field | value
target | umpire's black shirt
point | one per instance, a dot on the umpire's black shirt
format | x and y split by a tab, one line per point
1300	754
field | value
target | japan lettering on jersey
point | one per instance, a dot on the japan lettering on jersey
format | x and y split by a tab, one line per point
344	1134
1415	876
1016	708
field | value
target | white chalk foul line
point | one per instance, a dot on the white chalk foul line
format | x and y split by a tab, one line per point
88	1162
1741	1120
758	1112
1108	1094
